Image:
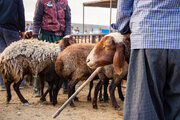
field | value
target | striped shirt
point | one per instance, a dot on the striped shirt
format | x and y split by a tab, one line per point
154	24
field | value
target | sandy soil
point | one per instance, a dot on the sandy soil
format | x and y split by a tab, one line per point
44	111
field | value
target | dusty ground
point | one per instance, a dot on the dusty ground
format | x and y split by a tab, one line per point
44	111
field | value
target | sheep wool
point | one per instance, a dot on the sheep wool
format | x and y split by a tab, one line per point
117	37
32	54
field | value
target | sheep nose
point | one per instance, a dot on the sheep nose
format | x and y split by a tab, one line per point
88	60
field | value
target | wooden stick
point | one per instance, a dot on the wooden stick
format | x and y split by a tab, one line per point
77	91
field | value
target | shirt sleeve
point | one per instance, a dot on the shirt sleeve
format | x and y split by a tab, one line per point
37	20
68	21
124	12
21	15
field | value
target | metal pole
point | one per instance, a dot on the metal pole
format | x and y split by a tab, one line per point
110	15
83	18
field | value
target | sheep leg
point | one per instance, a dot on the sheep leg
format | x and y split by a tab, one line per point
16	88
55	92
75	98
43	97
50	92
112	88
120	91
106	83
100	94
41	83
41	86
71	86
90	88
8	90
98	86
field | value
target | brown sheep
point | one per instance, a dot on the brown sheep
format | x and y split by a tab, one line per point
106	74
112	48
28	35
71	65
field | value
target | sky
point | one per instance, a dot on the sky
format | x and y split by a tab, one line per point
93	15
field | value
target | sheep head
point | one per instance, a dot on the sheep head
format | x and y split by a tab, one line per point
28	34
66	41
110	49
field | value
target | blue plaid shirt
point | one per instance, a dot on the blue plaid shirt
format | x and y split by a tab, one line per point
153	23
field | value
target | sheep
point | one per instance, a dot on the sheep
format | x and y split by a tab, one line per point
99	90
71	64
106	74
28	34
30	57
50	75
112	48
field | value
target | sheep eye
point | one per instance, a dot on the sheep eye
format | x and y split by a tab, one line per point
108	43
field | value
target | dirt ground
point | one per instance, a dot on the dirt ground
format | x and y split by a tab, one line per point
44	111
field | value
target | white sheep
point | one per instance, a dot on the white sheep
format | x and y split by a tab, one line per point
29	57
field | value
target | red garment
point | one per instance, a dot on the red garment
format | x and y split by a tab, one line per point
54	16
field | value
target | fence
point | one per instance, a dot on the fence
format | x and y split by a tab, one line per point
87	38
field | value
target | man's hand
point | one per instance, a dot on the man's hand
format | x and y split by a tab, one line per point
35	38
22	35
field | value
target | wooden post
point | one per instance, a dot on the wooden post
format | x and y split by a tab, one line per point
83	18
110	15
77	91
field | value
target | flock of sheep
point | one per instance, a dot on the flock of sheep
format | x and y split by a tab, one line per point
67	60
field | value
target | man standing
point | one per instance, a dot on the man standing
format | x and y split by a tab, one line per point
153	86
12	24
52	19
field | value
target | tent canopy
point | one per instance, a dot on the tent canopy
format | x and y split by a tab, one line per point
101	3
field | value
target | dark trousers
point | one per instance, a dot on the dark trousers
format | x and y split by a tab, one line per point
6	38
153	86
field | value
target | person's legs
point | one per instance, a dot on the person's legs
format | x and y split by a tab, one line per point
10	36
36	87
172	88
2	47
145	84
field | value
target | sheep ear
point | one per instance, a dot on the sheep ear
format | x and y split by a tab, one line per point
72	40
119	58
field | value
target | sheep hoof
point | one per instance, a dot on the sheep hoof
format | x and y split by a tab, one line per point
43	99
88	98
122	98
100	99
54	103
106	98
76	99
26	104
95	107
8	100
118	108
44	102
24	101
72	105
